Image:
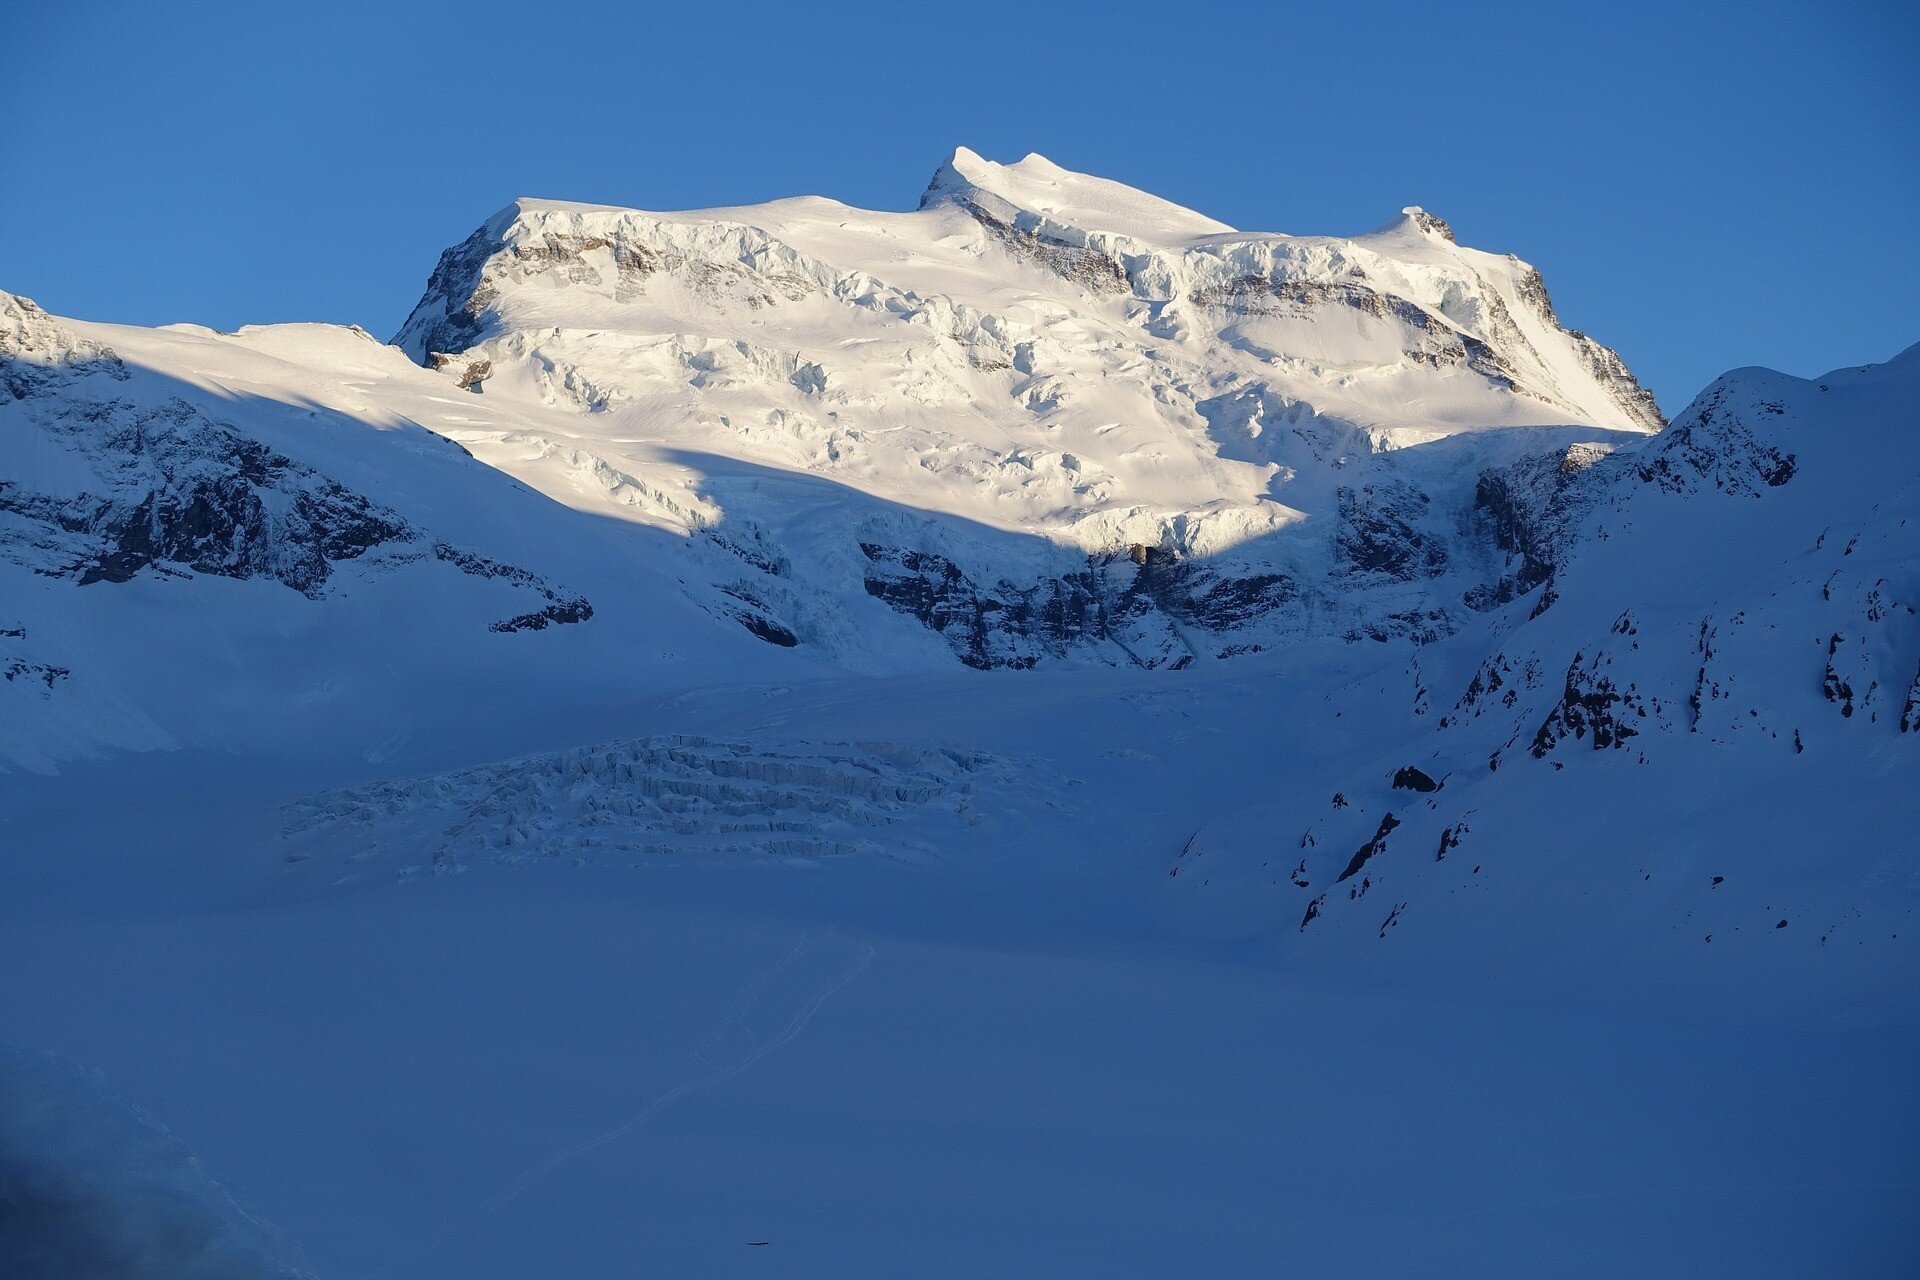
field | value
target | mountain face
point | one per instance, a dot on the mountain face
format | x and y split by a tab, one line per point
1127	433
1043	422
107	487
1044	418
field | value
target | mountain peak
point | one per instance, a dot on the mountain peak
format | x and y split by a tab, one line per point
1036	191
1413	220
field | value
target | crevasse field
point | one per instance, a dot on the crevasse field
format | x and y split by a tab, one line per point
1044	735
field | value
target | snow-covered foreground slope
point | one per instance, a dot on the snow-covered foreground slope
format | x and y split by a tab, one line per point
1010	1056
1041	735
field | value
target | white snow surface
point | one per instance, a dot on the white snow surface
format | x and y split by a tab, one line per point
1038	188
1038	735
1032	349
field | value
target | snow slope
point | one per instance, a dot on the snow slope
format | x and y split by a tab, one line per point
1707	705
1042	734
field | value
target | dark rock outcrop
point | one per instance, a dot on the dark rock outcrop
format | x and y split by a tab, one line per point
1135	607
1372	849
1408	778
1592	706
169	490
1380	533
180	492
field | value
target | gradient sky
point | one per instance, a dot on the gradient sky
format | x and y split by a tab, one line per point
1704	186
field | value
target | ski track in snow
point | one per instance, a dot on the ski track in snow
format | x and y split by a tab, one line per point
736	1021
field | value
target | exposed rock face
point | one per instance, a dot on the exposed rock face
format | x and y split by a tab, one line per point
1834	687
1380	533
449	318
468	374
1529	509
1002	626
1430	223
1634	399
1088	268
1372	849
1144	609
561	607
175	491
1409	778
118	488
1591	707
742	604
31	673
612	261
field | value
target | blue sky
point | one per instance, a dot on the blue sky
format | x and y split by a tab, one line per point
1704	186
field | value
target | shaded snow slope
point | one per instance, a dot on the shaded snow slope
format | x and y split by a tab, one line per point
1698	725
91	1187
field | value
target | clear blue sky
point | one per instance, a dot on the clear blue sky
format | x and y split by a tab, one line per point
1704	186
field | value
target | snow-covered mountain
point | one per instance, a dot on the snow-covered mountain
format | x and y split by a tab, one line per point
1698	711
1050	416
1052	571
1043	420
1044	417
